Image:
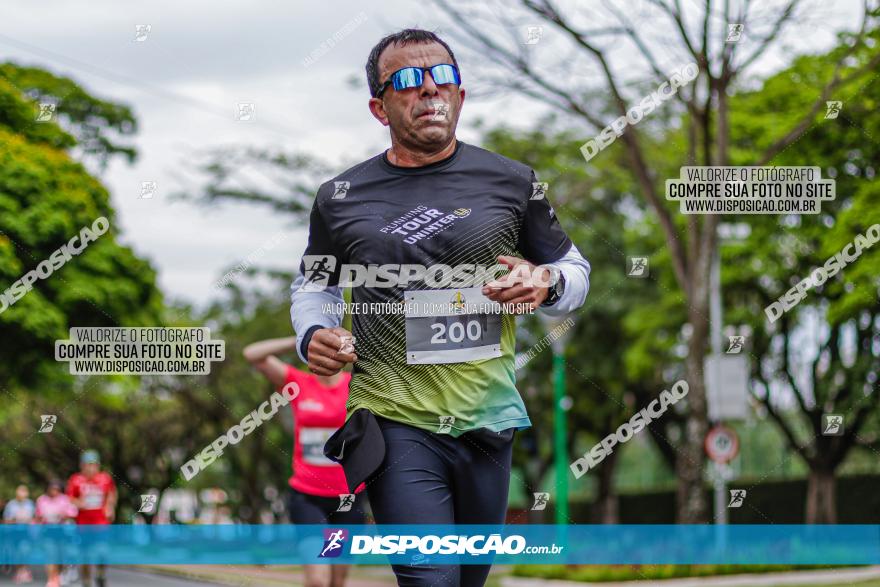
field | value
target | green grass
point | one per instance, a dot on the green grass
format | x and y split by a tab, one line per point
603	573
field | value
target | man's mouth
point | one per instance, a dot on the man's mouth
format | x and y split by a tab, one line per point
437	112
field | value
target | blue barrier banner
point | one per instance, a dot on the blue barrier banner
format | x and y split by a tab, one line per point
439	544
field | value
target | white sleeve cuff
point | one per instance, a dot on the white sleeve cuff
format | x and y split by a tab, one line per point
310	308
576	270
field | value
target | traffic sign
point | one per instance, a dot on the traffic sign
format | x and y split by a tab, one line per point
727	385
722	444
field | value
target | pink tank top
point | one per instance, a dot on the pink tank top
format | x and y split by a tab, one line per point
318	412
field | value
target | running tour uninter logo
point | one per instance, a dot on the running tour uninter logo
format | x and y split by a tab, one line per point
422	223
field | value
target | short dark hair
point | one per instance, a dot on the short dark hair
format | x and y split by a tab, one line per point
404	37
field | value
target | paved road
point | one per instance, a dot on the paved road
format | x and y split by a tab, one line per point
116	578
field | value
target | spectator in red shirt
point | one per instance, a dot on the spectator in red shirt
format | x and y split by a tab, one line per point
93	492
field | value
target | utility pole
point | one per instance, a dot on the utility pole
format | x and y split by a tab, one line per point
561	404
715	320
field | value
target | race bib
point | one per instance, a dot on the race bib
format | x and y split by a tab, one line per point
451	326
52	517
312	441
93	498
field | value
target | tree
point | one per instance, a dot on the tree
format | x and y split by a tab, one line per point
823	355
46	198
92	126
603	393
587	48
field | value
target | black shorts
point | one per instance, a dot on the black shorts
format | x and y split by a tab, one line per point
431	478
313	509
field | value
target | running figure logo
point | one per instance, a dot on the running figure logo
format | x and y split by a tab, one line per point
346	345
346	500
734	32
832	425
141	32
148	503
539	190
534	34
148	188
736	344
333	540
445	424
46	112
737	497
638	267
318	269
832	109
47	423
340	189
246	111
541	500
441	109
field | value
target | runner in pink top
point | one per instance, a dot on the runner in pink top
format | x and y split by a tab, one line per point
319	492
318	411
54	507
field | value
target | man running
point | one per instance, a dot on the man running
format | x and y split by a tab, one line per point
93	492
433	404
319	494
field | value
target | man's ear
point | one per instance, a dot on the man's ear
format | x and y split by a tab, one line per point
377	108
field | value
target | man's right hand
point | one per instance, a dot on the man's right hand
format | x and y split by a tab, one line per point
323	352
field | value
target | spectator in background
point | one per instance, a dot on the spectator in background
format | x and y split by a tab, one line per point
93	492
20	511
54	507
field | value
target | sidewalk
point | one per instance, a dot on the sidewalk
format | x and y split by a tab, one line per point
254	576
824	577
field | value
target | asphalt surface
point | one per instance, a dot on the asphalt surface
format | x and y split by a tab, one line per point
115	578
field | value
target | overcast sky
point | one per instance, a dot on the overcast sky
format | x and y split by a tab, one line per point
202	58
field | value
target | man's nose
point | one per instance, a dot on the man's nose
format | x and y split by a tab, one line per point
429	88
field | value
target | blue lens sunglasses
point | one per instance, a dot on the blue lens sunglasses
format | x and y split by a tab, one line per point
412	77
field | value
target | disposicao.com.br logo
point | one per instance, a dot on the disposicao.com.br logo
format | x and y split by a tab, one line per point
318	270
476	545
334	541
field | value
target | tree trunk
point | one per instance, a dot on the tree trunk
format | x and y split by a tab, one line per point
821	497
691	503
606	507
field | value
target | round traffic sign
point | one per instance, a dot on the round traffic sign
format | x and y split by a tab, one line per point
722	444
